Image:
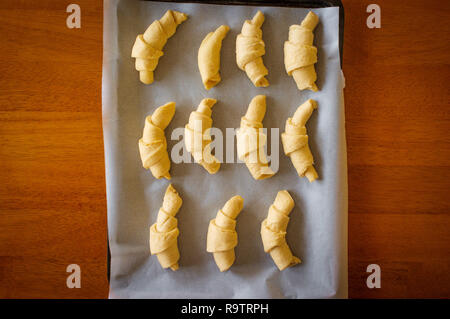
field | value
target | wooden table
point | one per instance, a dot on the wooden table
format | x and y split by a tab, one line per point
52	181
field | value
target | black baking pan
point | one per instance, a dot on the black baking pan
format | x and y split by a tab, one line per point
260	3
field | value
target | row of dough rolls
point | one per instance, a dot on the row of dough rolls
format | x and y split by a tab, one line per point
222	237
250	137
300	54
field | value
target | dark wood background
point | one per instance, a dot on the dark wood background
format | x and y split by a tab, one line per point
52	181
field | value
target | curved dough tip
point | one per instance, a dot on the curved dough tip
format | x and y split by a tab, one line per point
209	56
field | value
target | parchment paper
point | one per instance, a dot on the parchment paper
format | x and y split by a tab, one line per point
317	232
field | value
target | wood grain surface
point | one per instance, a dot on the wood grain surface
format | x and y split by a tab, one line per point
52	181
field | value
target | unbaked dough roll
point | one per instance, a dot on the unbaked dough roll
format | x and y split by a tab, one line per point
273	231
197	137
300	55
209	56
153	144
147	48
164	233
222	236
251	139
249	50
295	141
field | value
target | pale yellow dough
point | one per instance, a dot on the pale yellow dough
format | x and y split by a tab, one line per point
147	48
273	231
251	139
164	233
249	50
153	144
295	141
197	136
222	236
300	55
209	56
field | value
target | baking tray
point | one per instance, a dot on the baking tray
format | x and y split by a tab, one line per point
259	3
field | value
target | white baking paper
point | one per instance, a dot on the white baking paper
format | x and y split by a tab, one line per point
317	232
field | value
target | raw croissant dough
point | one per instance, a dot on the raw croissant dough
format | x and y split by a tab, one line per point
153	144
209	56
249	50
300	55
147	48
164	233
222	236
295	141
197	137
251	139
273	231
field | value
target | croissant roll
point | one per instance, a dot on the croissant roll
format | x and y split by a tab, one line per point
222	236
273	231
251	139
198	138
153	144
164	233
147	48
249	50
209	56
300	55
295	141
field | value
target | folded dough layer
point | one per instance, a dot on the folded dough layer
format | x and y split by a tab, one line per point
222	236
209	56
153	144
249	50
251	139
295	141
197	136
273	231
164	233
147	48
300	55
